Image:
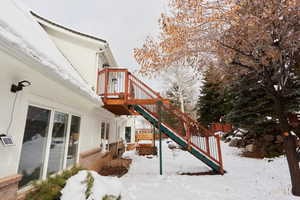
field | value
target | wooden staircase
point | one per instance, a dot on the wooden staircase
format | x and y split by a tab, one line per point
123	94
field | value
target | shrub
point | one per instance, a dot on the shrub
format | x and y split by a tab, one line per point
89	185
111	197
50	189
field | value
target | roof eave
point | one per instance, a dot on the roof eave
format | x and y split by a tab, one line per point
42	19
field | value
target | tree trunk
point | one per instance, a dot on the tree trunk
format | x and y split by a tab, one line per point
181	101
290	149
291	155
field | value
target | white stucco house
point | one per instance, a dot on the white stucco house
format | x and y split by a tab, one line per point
56	121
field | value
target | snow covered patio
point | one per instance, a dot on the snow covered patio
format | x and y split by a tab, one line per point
246	178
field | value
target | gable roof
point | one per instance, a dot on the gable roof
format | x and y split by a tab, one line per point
100	43
67	29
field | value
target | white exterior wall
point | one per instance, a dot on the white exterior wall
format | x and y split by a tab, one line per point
81	55
121	124
9	155
47	93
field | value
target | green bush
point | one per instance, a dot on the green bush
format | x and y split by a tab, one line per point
89	185
111	197
50	189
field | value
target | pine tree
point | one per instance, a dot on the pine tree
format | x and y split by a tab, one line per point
253	110
252	107
214	101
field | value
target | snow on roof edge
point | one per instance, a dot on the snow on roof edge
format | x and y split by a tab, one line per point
15	40
49	23
66	28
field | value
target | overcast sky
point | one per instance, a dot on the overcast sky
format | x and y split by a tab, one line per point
125	24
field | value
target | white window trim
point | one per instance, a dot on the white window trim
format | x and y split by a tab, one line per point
104	140
48	144
49	138
67	142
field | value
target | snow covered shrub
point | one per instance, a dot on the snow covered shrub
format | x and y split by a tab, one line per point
111	197
50	189
89	185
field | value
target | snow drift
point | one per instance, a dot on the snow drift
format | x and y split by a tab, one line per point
103	185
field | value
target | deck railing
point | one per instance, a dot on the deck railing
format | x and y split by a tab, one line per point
120	83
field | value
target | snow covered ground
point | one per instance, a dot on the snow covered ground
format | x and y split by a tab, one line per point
245	179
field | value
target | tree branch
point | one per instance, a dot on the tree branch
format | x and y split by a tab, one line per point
250	68
239	51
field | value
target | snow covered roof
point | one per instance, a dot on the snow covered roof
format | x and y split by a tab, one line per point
67	29
102	44
20	32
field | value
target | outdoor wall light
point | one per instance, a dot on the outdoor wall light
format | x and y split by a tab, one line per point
105	65
16	88
6	140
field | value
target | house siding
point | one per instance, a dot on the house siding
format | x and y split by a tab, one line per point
46	93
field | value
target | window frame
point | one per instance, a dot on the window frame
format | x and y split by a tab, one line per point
103	128
46	155
107	131
67	136
104	141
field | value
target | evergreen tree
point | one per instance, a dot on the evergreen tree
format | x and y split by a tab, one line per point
252	106
253	110
214	101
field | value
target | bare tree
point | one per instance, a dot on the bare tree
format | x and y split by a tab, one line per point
181	86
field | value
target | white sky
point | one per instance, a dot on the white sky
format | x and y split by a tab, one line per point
125	24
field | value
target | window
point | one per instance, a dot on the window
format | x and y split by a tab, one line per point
103	130
104	135
107	131
34	144
118	132
50	143
128	134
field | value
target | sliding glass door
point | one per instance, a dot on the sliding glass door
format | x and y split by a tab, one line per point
50	143
34	144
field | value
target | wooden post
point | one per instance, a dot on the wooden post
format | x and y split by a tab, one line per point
207	144
126	85
188	136
160	136
106	80
220	153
